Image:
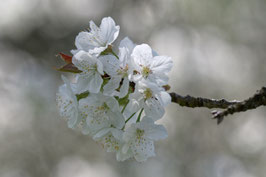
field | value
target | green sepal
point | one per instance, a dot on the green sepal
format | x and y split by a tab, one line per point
105	81
70	67
123	101
82	95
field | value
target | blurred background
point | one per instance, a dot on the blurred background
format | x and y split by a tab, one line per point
219	51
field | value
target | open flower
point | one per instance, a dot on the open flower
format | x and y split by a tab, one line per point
139	138
98	38
67	103
100	112
111	139
90	78
149	96
118	69
111	92
150	67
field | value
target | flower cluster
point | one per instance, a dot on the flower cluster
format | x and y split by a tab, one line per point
115	98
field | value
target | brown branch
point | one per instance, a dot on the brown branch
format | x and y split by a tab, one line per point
259	99
193	102
231	107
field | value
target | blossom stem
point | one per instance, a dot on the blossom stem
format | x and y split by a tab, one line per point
130	117
140	114
124	107
112	52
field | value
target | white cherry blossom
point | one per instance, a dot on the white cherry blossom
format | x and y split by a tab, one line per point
90	78
100	112
110	93
149	96
150	67
118	69
139	138
67	103
111	139
98	38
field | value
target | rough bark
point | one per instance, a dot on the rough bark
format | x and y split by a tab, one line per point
231	107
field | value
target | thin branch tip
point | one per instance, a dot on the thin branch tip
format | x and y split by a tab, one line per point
230	107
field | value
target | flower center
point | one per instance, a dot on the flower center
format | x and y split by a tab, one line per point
123	71
104	107
146	71
89	68
139	133
148	93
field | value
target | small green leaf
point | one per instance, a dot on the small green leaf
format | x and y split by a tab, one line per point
70	67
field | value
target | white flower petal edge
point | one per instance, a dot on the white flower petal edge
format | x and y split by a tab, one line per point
67	103
149	67
100	112
111	139
139	138
90	78
118	70
98	38
149	96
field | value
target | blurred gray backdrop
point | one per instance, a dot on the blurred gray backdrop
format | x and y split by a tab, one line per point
219	51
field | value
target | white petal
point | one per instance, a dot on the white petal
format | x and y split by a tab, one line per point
97	123
74	120
161	64
68	87
84	61
159	78
117	133
124	88
124	56
82	84
100	67
112	84
144	84
97	50
129	133
116	119
128	44
110	64
164	98
154	53
109	31
159	132
101	133
120	156
95	83
74	51
112	103
82	41
94	28
153	131
86	129
144	151
125	148
133	106
135	77
92	99
154	109
142	54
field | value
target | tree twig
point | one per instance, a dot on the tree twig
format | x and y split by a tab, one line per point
193	102
258	99
231	107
